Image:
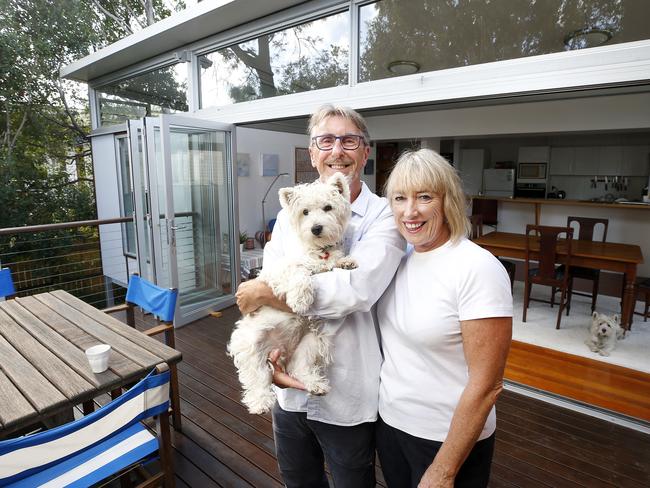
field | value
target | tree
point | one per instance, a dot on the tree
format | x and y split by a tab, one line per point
44	121
441	34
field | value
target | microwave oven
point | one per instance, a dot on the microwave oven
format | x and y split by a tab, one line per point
532	172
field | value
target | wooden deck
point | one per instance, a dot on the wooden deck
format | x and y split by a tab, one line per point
538	444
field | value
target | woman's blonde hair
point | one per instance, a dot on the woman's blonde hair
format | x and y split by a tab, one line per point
426	170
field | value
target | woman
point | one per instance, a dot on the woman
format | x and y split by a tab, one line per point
446	326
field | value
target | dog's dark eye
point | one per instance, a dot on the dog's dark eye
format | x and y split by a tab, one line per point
327	208
305	212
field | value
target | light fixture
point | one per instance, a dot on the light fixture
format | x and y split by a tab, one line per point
403	67
263	202
587	37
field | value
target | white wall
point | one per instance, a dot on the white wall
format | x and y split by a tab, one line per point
251	188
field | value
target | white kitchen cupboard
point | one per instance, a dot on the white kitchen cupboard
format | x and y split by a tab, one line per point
562	160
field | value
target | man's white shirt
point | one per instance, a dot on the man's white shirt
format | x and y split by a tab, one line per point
344	298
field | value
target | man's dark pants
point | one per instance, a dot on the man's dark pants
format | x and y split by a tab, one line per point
303	445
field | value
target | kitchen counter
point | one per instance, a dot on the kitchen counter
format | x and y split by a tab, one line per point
538	202
558	201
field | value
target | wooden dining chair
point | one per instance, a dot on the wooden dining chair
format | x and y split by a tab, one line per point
477	231
642	285
161	303
97	447
586	226
547	271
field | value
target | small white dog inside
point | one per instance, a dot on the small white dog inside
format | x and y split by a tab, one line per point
318	215
605	330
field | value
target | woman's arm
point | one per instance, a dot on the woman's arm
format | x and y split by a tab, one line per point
486	343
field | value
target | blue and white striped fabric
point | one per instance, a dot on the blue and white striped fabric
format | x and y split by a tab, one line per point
92	448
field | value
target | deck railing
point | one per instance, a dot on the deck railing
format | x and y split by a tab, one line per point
85	258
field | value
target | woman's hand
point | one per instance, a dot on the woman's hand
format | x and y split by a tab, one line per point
251	295
280	378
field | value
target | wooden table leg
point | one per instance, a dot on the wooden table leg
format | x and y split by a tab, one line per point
629	297
538	213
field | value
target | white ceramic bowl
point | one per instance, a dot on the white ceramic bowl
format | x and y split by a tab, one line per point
98	357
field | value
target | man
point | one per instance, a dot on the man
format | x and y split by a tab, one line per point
338	427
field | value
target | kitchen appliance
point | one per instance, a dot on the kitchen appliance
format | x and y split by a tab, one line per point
498	182
530	190
532	172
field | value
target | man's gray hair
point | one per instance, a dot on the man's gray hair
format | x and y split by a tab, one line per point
329	110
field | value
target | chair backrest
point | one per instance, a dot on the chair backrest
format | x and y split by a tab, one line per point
548	242
29	455
6	283
477	225
158	301
586	227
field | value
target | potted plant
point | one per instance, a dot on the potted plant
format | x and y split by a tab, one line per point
242	239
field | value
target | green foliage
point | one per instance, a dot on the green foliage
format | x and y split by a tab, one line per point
45	161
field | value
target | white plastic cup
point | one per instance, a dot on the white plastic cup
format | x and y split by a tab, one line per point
98	357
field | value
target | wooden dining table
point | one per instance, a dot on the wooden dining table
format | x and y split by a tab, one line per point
44	371
608	256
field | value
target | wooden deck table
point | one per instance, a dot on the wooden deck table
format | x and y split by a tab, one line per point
44	371
609	256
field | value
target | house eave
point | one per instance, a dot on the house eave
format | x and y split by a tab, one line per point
190	25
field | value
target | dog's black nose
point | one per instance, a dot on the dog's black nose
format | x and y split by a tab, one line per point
317	229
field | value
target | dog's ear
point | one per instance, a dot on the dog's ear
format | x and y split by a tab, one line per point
339	181
594	315
287	196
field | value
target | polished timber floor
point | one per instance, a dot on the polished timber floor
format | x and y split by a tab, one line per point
538	444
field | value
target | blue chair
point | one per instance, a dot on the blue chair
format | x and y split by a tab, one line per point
97	446
6	283
161	303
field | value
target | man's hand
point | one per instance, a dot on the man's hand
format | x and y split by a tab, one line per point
280	378
252	294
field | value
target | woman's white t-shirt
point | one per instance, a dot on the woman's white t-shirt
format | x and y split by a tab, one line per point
424	370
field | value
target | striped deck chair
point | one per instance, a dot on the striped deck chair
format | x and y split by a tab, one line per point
97	446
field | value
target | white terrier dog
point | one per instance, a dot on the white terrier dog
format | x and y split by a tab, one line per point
605	331
318	213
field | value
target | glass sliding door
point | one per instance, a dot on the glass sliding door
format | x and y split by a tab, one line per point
187	196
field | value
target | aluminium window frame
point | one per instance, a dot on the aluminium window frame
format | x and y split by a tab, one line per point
604	67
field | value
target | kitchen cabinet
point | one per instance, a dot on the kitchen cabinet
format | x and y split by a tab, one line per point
600	161
472	162
635	160
586	161
562	160
609	160
533	154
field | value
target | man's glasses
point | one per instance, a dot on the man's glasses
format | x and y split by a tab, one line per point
349	142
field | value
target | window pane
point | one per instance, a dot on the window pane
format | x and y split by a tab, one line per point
126	194
397	37
158	92
303	58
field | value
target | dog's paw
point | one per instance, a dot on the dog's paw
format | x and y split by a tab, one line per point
320	389
346	263
603	352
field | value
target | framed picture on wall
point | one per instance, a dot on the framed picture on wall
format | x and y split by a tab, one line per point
305	172
270	164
